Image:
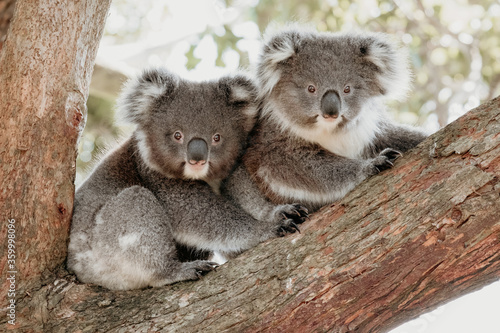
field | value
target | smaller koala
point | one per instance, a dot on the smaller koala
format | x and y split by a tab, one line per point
323	126
158	189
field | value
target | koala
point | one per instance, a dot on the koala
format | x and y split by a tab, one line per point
323	127
159	189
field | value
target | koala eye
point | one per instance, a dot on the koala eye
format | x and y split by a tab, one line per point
311	89
362	50
216	138
347	89
178	136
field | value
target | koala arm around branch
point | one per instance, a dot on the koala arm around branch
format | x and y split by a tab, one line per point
288	169
241	189
399	137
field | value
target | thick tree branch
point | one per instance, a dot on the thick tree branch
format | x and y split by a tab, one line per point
400	244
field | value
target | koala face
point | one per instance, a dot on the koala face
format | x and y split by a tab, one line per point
190	130
325	81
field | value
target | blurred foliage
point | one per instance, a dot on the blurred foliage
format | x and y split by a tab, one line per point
132	19
454	48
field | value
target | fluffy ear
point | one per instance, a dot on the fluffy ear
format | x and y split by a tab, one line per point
241	91
394	74
139	93
278	47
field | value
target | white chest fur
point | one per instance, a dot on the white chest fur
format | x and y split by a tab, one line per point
349	141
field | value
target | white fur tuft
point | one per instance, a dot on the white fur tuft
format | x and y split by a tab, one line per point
128	240
218	258
280	44
393	60
349	141
191	172
138	93
240	94
145	152
269	78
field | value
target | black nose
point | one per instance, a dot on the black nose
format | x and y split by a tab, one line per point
197	151
330	104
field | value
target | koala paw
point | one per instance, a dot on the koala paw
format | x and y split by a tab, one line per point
289	218
385	160
194	270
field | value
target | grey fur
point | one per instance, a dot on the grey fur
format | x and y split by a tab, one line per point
323	127
153	193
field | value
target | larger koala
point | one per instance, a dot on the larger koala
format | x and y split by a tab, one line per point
323	127
156	190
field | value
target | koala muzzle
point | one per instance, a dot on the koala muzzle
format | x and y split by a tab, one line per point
330	104
197	151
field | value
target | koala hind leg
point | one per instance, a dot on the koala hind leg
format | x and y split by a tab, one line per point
133	246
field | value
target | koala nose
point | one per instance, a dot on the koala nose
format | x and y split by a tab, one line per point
330	104
197	151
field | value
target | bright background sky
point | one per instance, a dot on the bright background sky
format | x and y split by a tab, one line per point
164	31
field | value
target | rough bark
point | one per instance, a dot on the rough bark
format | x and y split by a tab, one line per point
45	68
400	244
6	13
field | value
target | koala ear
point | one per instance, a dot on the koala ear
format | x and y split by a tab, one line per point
139	93
278	47
241	91
393	75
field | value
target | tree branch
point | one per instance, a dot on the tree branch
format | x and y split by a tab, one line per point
400	244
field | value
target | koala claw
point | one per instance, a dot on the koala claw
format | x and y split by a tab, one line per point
296	212
289	226
204	267
385	159
288	217
294	227
391	154
303	211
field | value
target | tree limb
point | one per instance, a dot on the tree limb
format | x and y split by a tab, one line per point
400	244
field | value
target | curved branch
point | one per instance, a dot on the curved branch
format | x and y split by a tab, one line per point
401	243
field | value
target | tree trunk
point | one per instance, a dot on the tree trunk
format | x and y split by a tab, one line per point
45	68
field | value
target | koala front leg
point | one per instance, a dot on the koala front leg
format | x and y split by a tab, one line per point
241	189
399	137
312	176
213	222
